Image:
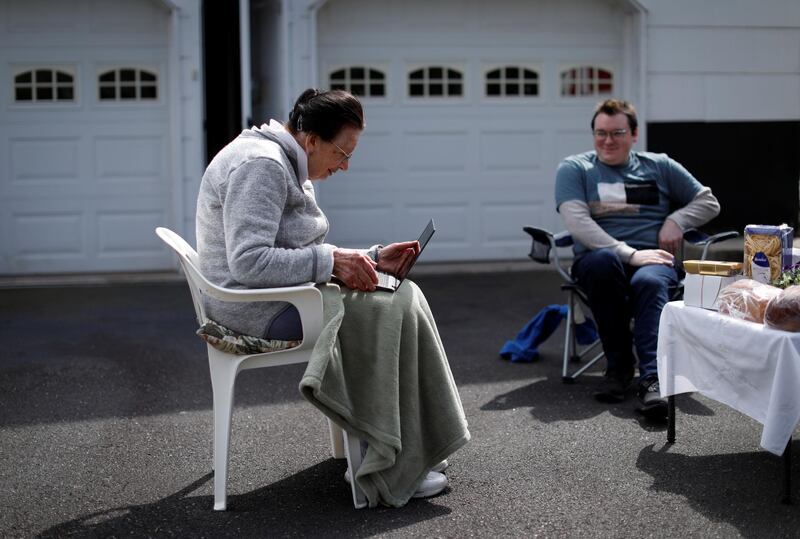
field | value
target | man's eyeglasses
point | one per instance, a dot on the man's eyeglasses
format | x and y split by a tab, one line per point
346	157
601	134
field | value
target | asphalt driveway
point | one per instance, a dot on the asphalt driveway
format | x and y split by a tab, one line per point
105	431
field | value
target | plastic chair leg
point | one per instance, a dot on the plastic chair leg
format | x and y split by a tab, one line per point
352	448
337	440
223	377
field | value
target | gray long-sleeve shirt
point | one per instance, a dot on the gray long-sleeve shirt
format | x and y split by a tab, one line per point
258	225
623	207
579	222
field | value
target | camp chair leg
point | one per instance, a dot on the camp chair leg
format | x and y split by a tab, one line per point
569	343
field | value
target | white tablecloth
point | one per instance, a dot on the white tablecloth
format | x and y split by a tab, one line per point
749	367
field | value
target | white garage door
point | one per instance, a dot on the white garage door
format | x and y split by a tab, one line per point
83	145
470	106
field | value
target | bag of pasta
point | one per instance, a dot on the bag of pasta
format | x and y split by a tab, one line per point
783	311
746	299
767	250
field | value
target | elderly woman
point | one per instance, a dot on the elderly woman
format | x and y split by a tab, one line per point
378	369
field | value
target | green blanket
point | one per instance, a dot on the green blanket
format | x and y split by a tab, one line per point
379	371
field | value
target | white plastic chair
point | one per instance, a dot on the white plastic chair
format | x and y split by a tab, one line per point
225	367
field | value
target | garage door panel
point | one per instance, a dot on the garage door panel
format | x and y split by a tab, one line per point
571	141
135	119
39	233
511	150
482	166
44	162
357	225
127	17
513	17
59	22
439	16
371	156
413	15
84	182
453	226
503	222
130	163
124	234
43	235
449	151
38	15
101	166
68	235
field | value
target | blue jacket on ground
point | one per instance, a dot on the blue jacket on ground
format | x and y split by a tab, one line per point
525	346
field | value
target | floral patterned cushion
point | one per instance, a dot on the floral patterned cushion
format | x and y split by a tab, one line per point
228	341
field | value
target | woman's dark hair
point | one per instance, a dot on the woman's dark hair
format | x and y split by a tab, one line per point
325	113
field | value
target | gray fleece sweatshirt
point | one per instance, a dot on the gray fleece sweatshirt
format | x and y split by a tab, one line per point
259	226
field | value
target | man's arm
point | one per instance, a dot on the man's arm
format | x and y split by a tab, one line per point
572	205
584	229
700	210
703	207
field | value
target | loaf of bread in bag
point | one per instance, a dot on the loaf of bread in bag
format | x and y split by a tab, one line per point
746	299
783	311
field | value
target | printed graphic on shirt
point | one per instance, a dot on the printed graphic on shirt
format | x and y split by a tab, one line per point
624	197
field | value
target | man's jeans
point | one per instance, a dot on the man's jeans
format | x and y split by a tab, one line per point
618	292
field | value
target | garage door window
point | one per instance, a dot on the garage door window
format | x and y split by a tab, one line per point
127	84
512	81
44	85
586	81
435	81
360	81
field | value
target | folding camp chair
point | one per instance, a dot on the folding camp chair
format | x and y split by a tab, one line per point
544	249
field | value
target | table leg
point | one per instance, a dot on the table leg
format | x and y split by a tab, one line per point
671	419
787	473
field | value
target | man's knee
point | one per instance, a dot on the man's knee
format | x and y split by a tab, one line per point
599	266
654	279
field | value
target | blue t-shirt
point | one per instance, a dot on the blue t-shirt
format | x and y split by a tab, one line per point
631	201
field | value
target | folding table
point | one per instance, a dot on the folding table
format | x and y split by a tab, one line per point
747	366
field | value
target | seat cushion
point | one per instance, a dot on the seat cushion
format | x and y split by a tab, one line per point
228	341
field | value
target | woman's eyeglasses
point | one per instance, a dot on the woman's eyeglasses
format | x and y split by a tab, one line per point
346	155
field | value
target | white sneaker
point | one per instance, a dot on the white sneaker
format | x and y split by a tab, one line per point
442	466
433	484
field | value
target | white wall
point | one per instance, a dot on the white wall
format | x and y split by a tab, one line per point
189	113
723	60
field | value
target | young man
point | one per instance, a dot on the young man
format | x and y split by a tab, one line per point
620	207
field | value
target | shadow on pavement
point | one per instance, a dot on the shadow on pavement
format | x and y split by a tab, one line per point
280	509
550	401
713	486
83	353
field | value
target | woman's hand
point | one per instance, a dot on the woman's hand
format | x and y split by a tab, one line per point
397	258
354	269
